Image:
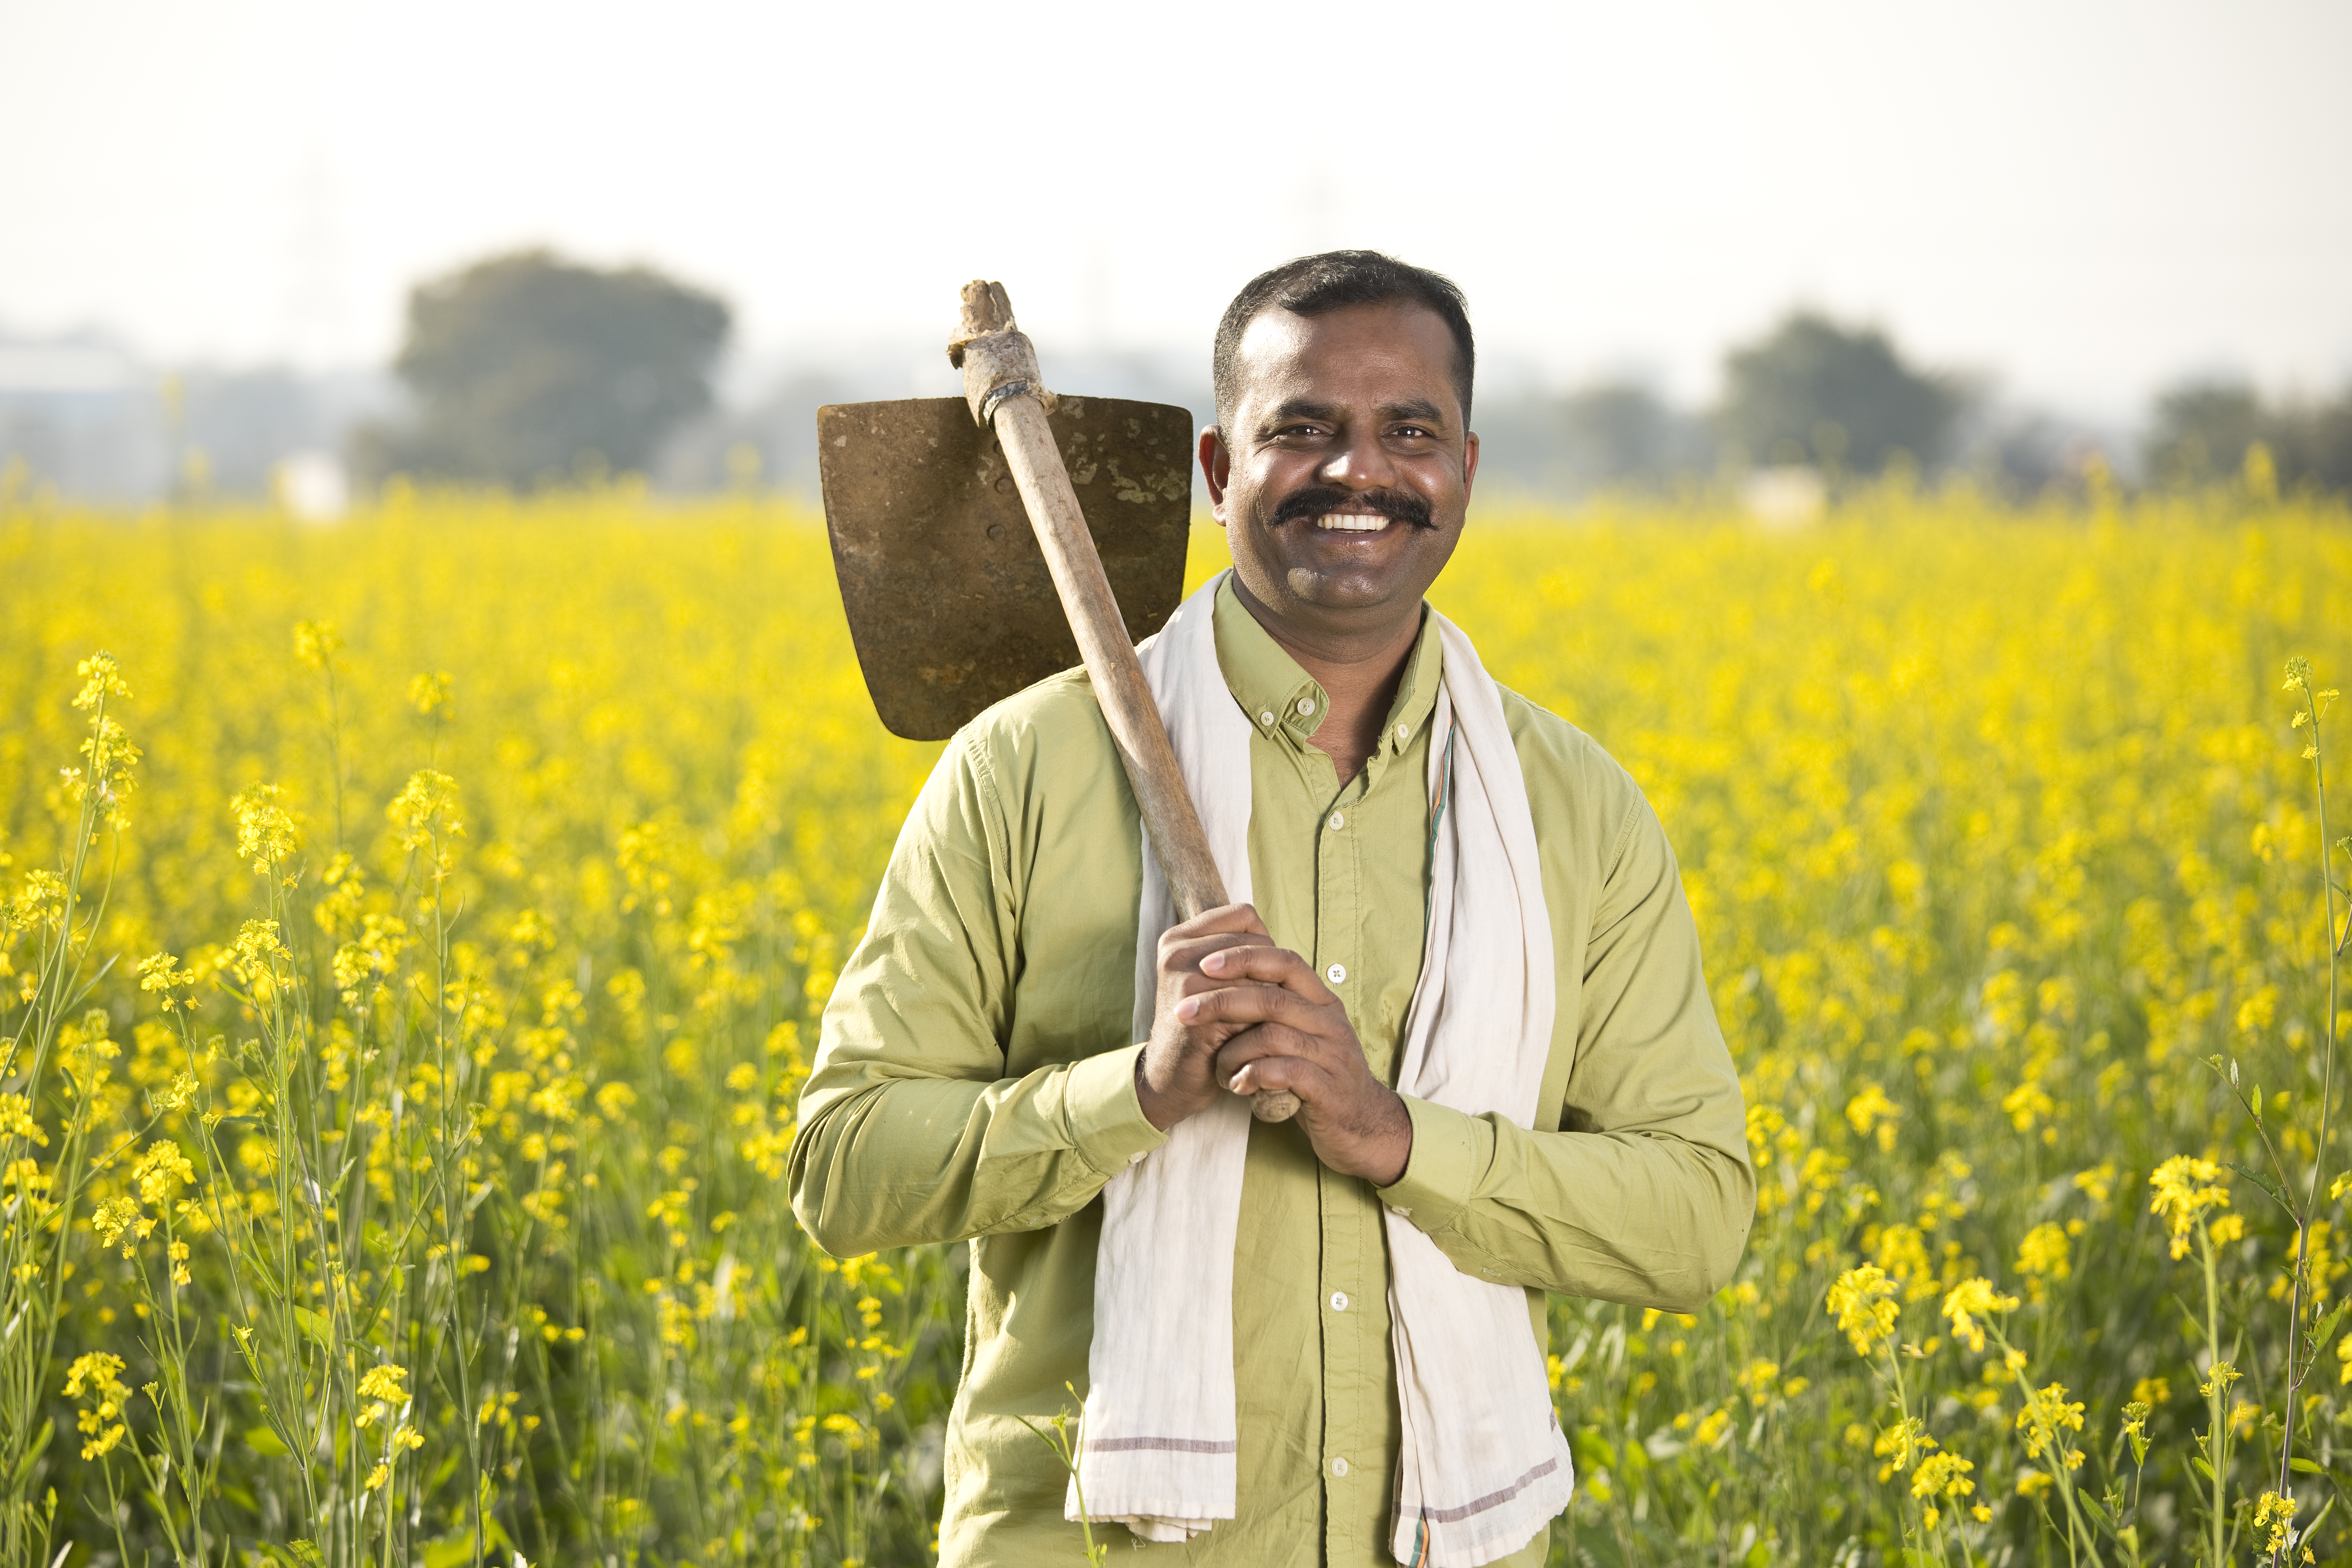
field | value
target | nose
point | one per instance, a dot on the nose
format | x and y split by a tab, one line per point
1360	461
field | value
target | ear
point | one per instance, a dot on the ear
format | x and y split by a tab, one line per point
1217	468
1469	461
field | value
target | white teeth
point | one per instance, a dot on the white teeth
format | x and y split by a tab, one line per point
1353	521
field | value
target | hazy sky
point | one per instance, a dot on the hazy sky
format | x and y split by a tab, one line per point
2086	198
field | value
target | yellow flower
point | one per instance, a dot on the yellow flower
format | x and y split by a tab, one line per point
428	804
1862	1300
160	973
316	643
162	1172
381	1384
266	833
2273	1517
2043	1253
103	679
16	1120
1942	1476
2185	1188
96	1377
1899	1444
1969	1301
2046	1418
429	695
1871	1112
115	1215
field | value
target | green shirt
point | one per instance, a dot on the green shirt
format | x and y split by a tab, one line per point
976	1080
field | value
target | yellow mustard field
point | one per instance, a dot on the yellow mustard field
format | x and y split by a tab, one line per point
414	933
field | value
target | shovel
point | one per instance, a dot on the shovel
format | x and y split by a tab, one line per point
951	594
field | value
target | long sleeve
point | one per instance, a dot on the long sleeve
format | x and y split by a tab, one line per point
914	1125
1642	1191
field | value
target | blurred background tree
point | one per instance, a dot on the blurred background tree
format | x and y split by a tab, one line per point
1840	398
2201	431
528	368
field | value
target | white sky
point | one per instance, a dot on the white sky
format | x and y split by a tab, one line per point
2087	198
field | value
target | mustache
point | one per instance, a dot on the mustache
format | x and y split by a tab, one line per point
1315	500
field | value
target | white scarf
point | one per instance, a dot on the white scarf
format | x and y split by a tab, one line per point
1485	1464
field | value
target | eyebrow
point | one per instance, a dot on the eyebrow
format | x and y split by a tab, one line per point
1419	409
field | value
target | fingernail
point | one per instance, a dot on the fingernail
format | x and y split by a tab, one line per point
1214	960
1187	1010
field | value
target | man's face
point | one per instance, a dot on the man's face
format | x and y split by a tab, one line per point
1343	473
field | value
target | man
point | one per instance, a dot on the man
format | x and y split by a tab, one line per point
980	1076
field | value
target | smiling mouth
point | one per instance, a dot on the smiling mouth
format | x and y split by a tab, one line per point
1352	522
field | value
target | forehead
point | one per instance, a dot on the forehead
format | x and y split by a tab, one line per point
1377	354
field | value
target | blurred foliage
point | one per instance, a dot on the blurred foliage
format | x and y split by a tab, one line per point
527	367
2204	430
1841	398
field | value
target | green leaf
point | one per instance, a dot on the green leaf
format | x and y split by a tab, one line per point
317	1327
2201	1467
2092	1504
262	1440
2308	1467
2269	1187
41	1436
2322	1329
450	1550
295	1554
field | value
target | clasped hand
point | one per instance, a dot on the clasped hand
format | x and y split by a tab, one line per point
1237	1014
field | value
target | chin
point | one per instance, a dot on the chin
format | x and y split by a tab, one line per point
1342	591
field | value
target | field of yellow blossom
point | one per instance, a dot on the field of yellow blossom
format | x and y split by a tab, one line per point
414	933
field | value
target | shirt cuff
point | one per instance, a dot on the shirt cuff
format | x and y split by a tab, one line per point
1449	1149
1105	1118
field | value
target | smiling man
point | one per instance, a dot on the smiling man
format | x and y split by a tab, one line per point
1464	947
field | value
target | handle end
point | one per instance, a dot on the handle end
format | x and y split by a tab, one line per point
1274	1105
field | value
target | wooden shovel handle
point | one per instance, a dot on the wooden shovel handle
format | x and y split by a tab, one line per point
1006	391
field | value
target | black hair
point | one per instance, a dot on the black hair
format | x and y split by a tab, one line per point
1312	285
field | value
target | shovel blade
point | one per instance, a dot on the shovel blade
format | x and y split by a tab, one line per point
949	603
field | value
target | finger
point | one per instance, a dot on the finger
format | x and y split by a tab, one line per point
1247	1003
1226	918
1270	966
1261	1041
1188	952
1266	1074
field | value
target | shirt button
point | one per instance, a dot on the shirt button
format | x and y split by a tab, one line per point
1307	705
1404	732
1338	1300
1340	1467
1339	820
1337	974
1266	717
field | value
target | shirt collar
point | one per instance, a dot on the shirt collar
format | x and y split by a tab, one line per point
1283	700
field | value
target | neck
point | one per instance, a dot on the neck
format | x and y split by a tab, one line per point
1358	671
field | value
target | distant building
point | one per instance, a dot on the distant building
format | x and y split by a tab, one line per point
81	415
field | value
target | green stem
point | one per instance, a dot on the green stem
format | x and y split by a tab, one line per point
2219	1458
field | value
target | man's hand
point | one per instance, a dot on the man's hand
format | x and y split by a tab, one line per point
1177	1074
1239	1012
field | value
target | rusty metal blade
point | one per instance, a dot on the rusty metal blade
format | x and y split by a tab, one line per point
949	603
